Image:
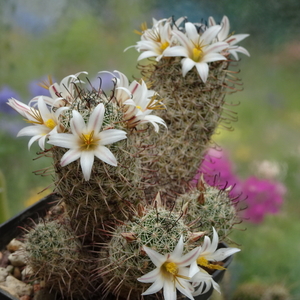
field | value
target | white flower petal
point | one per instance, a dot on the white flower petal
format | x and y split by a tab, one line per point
105	155
157	258
155	287
86	162
77	124
169	290
185	288
210	57
149	277
190	257
223	34
32	130
147	54
210	34
177	252
191	31
236	38
33	139
211	21
64	140
216	47
70	156
223	253
111	136
176	51
18	106
42	141
96	119
187	65
43	109
203	70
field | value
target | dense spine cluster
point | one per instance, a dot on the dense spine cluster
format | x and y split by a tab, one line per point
194	110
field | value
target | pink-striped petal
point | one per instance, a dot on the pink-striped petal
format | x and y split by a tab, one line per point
209	34
155	287
77	124
150	277
223	34
111	136
157	258
70	156
177	252
96	119
105	155
64	140
190	257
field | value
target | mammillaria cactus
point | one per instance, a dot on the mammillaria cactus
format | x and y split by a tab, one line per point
122	163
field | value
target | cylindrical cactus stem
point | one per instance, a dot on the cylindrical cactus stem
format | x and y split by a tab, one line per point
95	205
194	110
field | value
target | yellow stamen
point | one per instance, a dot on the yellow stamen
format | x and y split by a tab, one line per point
35	115
46	84
50	123
155	104
89	141
171	268
144	27
164	45
203	262
197	54
139	107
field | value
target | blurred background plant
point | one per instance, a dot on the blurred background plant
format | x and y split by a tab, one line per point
60	37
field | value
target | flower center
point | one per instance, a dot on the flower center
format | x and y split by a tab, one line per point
197	54
89	142
203	262
139	107
50	123
170	267
164	45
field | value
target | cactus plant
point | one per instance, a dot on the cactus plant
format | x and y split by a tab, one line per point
110	161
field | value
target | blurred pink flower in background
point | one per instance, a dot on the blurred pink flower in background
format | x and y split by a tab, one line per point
217	170
261	196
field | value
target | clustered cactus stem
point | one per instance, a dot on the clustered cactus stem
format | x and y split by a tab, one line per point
123	162
194	110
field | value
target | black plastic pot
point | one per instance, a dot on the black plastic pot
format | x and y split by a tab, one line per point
13	228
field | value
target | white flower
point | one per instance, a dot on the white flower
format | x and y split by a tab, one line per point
44	120
138	102
232	40
87	141
197	49
171	272
204	281
155	41
210	253
62	94
19	107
